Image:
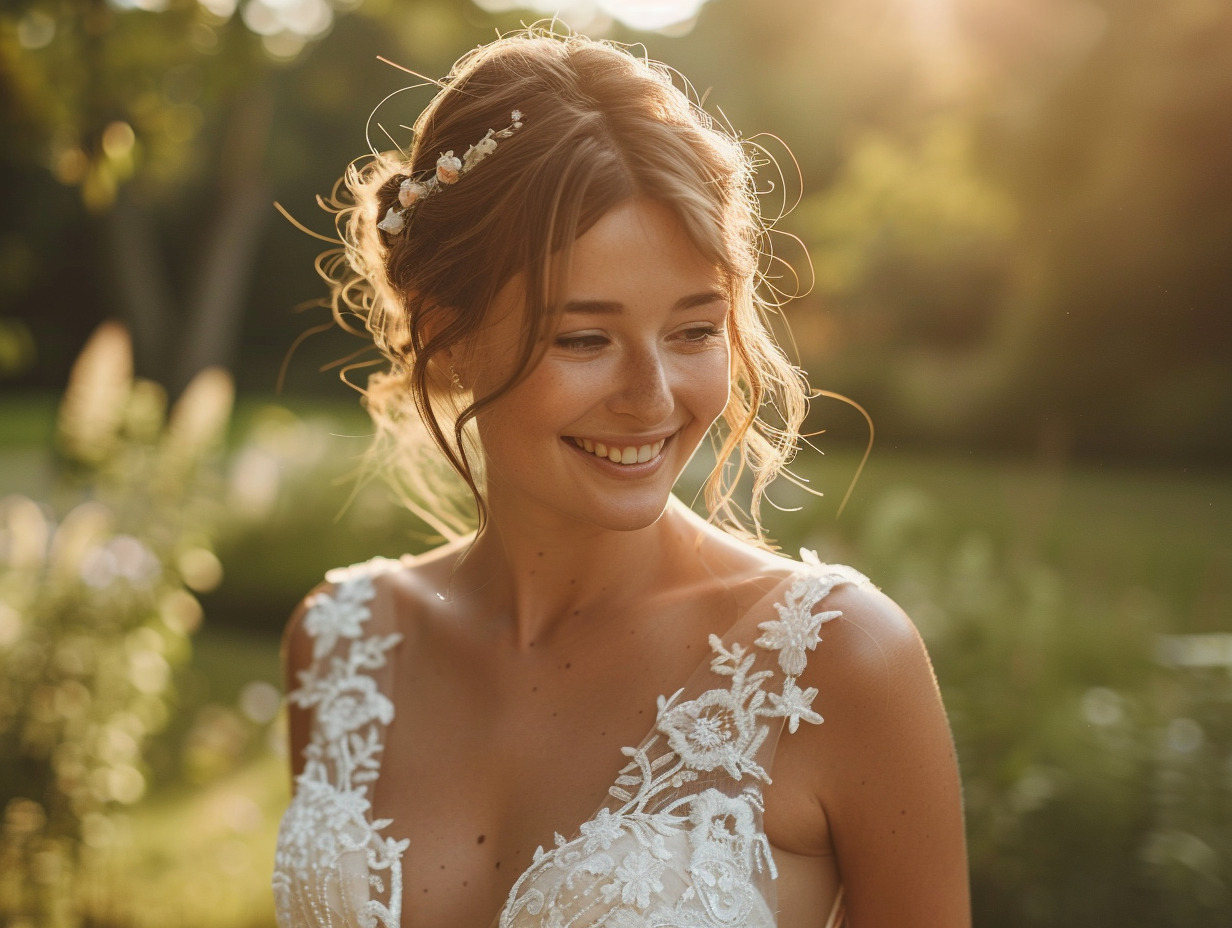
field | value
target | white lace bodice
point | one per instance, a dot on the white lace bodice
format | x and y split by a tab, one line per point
678	842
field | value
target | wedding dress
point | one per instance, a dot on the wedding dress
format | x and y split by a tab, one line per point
678	841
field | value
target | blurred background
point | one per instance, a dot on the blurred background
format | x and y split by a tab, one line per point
1019	218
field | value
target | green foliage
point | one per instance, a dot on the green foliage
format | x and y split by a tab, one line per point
922	206
96	609
1095	776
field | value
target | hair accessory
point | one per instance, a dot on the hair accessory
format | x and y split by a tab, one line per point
448	169
454	380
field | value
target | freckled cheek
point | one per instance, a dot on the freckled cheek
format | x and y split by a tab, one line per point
707	386
543	404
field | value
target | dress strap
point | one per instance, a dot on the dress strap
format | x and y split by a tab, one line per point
340	686
333	857
838	913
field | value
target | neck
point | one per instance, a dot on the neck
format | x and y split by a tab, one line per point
538	578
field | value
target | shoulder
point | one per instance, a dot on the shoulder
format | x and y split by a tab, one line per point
882	766
873	677
862	665
870	664
378	596
871	645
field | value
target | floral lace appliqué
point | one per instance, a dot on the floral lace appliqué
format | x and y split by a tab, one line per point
332	865
680	842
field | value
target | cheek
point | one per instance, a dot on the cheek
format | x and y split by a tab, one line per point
709	388
539	402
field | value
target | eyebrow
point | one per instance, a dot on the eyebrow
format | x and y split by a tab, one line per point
602	307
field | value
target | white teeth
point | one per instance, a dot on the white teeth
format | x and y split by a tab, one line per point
630	455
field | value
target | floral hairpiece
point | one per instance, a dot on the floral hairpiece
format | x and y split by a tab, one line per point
448	169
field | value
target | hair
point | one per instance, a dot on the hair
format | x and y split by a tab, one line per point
602	126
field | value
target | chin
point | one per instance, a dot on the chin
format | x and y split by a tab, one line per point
632	517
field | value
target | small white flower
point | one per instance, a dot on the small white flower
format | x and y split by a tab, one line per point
340	614
480	150
393	222
795	704
349	711
409	192
719	817
638	875
712	731
602	830
448	168
797	629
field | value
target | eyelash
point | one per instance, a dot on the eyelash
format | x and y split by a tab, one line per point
582	344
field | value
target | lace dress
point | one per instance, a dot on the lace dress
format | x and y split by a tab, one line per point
678	841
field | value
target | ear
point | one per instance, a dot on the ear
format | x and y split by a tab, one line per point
451	368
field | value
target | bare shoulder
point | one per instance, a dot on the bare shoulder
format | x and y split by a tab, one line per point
382	596
876	686
872	648
883	766
297	645
393	592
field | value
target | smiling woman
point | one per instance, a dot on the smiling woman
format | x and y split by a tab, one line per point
638	368
568	308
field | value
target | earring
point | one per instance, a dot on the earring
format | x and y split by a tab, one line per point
455	379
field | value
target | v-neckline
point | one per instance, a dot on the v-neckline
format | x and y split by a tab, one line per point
700	671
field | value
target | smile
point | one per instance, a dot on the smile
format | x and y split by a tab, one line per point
629	454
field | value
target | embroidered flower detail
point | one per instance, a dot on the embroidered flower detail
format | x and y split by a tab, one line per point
360	705
796	628
795	704
637	876
712	731
602	830
717	817
516	115
327	843
448	168
338	616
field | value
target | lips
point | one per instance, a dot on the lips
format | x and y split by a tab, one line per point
620	454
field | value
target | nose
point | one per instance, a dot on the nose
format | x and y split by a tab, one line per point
643	389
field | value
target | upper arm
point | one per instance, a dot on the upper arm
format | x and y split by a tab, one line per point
296	652
886	770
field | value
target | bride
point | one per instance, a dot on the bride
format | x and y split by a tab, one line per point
572	716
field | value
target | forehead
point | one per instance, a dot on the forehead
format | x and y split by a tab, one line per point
639	250
637	255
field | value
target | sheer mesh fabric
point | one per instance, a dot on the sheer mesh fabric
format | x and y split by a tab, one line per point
677	842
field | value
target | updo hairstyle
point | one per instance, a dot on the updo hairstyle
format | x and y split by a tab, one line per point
601	127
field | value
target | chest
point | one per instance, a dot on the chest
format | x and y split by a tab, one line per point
489	757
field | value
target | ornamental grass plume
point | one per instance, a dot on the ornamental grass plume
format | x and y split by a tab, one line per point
92	411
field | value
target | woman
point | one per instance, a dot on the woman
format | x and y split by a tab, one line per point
562	275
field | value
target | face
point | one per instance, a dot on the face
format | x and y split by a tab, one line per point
634	375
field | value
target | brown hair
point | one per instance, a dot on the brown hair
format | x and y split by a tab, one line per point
602	126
